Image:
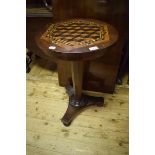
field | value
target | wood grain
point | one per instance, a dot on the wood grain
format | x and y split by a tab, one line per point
100	73
65	48
96	131
77	76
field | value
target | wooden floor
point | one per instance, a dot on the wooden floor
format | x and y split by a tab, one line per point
96	131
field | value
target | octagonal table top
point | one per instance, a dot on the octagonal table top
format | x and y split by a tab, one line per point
77	38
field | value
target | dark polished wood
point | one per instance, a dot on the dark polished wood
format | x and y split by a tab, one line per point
32	30
85	102
100	70
77	78
100	74
124	65
77	40
66	9
76	105
65	51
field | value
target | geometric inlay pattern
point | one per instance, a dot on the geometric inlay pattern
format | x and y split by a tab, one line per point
76	33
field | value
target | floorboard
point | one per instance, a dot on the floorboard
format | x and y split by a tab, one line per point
96	131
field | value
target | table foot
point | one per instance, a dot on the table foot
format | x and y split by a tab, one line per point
76	106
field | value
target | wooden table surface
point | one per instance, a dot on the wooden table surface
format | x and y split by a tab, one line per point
74	39
100	74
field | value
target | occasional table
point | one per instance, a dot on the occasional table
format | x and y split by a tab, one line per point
77	40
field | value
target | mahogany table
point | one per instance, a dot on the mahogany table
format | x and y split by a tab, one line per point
77	40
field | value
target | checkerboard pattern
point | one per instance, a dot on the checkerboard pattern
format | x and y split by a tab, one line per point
76	33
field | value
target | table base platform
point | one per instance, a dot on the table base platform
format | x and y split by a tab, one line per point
76	106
